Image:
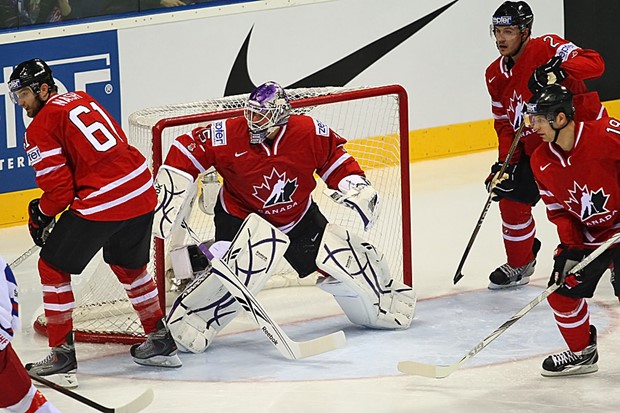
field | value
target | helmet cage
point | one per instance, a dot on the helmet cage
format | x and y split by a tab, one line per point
266	109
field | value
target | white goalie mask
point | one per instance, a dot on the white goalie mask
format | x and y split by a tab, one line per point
267	108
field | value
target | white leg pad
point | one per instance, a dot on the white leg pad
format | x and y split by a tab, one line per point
206	306
176	192
361	283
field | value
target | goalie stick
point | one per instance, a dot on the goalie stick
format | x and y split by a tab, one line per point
290	349
458	275
136	405
441	371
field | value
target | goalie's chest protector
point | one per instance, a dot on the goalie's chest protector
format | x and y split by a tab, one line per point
272	179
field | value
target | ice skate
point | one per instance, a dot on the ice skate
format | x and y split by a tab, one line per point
569	363
158	350
59	366
507	276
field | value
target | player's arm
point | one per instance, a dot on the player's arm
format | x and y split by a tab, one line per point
567	61
343	174
188	157
53	174
568	227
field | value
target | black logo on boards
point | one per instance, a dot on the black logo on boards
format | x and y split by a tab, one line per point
338	73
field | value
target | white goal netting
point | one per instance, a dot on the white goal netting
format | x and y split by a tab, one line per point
373	120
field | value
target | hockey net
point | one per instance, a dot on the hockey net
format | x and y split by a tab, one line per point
374	120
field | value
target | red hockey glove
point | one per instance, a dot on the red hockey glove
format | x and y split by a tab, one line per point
39	224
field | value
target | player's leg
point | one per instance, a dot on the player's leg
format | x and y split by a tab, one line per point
69	248
127	252
572	316
361	282
206	307
18	394
518	232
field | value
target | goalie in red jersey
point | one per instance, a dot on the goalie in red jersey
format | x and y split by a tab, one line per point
526	64
577	169
267	159
103	190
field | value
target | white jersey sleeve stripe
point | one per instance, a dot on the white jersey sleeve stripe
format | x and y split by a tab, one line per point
189	156
335	166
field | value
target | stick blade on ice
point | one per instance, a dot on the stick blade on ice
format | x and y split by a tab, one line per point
138	404
414	368
322	344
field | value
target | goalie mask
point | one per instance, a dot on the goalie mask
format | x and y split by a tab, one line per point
31	73
266	109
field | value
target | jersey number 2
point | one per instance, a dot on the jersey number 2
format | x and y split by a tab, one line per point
88	131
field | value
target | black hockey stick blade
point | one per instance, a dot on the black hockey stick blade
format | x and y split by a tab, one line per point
138	404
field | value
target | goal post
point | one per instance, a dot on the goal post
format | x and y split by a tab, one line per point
374	121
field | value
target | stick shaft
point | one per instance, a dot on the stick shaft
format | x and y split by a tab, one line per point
458	275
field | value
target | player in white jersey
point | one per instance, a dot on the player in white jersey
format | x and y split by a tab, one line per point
17	393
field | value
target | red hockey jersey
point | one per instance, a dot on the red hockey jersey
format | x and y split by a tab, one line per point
273	180
580	188
509	91
82	160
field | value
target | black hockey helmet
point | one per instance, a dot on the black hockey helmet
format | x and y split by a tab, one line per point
33	73
550	101
513	13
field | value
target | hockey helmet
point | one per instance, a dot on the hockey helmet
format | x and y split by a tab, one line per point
513	13
267	108
31	73
550	101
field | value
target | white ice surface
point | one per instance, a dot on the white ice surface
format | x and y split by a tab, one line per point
242	372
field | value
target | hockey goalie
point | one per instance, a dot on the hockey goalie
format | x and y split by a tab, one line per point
264	211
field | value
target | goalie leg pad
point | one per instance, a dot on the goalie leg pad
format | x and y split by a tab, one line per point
206	307
361	283
176	192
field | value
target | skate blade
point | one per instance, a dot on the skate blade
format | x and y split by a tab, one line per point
571	371
66	380
522	281
160	361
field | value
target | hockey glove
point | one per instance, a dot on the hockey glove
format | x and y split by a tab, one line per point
39	224
547	74
564	259
504	185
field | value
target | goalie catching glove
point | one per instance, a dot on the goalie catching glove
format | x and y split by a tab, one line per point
356	193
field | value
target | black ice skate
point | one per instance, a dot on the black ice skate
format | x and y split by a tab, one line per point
59	366
159	349
569	363
507	276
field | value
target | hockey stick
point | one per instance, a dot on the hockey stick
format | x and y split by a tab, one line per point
458	275
441	371
24	256
136	405
290	349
